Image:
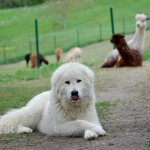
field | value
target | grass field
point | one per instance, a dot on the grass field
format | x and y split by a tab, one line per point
63	25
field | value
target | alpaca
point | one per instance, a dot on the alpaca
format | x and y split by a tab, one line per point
33	58
74	54
136	43
58	54
128	57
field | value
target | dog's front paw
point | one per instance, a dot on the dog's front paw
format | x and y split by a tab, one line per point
21	129
90	135
99	130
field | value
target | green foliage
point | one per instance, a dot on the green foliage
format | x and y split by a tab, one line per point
19	3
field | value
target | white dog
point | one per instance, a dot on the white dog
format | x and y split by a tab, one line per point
68	109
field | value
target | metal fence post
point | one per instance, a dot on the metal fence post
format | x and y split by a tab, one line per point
112	20
37	42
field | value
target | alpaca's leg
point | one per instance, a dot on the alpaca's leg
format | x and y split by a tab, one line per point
110	63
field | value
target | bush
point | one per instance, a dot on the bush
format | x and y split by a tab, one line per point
19	3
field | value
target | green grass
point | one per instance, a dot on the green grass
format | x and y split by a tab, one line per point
17	94
146	55
28	74
17	25
103	108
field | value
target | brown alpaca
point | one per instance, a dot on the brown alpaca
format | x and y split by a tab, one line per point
33	58
129	57
58	54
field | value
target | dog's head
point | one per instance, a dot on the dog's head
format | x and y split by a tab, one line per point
73	83
141	20
116	38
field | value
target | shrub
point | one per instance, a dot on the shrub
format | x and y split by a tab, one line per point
19	3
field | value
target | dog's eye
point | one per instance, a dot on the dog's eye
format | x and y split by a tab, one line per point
67	82
78	80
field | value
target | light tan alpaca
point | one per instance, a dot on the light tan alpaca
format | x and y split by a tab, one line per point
73	54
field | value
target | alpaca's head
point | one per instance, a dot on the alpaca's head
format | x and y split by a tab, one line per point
27	58
141	20
116	38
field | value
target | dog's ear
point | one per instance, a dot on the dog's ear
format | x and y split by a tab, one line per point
88	74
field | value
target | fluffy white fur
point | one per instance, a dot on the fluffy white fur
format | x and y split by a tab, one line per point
55	112
137	42
74	54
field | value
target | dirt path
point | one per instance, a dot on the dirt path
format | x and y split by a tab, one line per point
129	123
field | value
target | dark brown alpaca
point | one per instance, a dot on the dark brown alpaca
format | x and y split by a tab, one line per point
129	57
33	58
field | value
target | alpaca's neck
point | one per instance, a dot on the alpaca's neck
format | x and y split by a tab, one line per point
138	39
122	46
123	49
139	35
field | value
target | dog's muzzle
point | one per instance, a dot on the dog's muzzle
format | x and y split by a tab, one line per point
74	95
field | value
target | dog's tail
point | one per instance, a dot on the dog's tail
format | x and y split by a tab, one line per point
11	122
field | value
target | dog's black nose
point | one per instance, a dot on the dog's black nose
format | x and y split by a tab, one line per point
74	93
